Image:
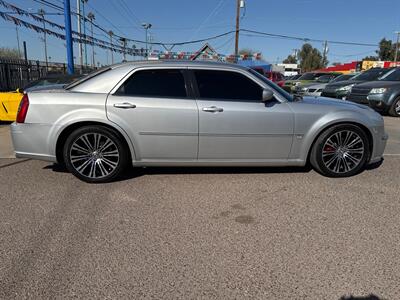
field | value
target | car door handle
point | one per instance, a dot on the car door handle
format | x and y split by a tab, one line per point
213	109
124	105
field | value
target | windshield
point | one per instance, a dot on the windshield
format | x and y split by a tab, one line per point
325	78
371	74
308	76
274	86
393	75
87	77
343	77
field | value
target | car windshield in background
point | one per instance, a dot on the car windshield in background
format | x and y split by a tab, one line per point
277	88
371	74
310	76
325	78
343	77
394	75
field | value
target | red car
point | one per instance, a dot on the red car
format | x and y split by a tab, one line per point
271	75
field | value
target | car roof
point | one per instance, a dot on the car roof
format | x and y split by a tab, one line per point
177	63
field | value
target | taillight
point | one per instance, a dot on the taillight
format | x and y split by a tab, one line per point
23	109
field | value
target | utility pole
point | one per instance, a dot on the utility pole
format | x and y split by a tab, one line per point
68	37
41	13
80	48
84	28
19	49
238	4
123	41
91	17
324	59
146	27
110	33
397	46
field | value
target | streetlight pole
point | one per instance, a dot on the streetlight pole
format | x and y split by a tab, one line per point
91	17
123	41
84	28
146	27
397	46
80	48
19	49
41	13
110	33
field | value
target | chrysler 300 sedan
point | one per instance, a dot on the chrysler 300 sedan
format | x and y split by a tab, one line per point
164	113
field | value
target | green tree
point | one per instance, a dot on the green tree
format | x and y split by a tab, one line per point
371	57
310	58
386	50
9	53
291	59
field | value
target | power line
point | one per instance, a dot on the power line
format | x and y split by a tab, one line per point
305	39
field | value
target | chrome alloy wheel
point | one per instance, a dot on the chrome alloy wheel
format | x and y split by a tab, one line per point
397	107
343	151
94	155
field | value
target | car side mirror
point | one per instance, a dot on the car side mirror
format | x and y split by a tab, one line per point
267	95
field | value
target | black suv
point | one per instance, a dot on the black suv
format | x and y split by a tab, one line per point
341	89
382	95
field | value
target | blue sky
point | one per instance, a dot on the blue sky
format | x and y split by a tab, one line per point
365	21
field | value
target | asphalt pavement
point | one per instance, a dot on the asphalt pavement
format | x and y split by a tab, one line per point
208	233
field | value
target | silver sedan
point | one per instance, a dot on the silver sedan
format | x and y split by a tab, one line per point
169	113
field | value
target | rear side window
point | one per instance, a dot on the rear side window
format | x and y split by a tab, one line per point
227	85
155	83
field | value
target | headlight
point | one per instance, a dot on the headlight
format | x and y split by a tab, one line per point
378	91
346	88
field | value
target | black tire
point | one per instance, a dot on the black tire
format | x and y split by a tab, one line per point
316	155
395	105
112	165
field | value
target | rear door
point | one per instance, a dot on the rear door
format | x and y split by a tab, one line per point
160	115
234	124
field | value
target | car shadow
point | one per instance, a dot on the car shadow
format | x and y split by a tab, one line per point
135	172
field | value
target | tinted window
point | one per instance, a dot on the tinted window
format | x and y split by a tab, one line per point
227	85
371	74
343	77
392	76
155	83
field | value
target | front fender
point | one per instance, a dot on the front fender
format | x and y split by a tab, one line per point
306	134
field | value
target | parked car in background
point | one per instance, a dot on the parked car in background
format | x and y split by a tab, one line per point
271	75
340	89
192	114
315	89
310	77
292	77
10	100
382	95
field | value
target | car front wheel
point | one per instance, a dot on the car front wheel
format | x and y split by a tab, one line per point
395	108
340	151
95	154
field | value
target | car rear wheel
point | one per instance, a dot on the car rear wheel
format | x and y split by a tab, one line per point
340	151
395	108
95	154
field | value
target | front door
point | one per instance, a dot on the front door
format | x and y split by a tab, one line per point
154	107
234	124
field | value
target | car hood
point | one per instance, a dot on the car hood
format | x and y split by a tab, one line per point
335	104
315	85
340	84
379	84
